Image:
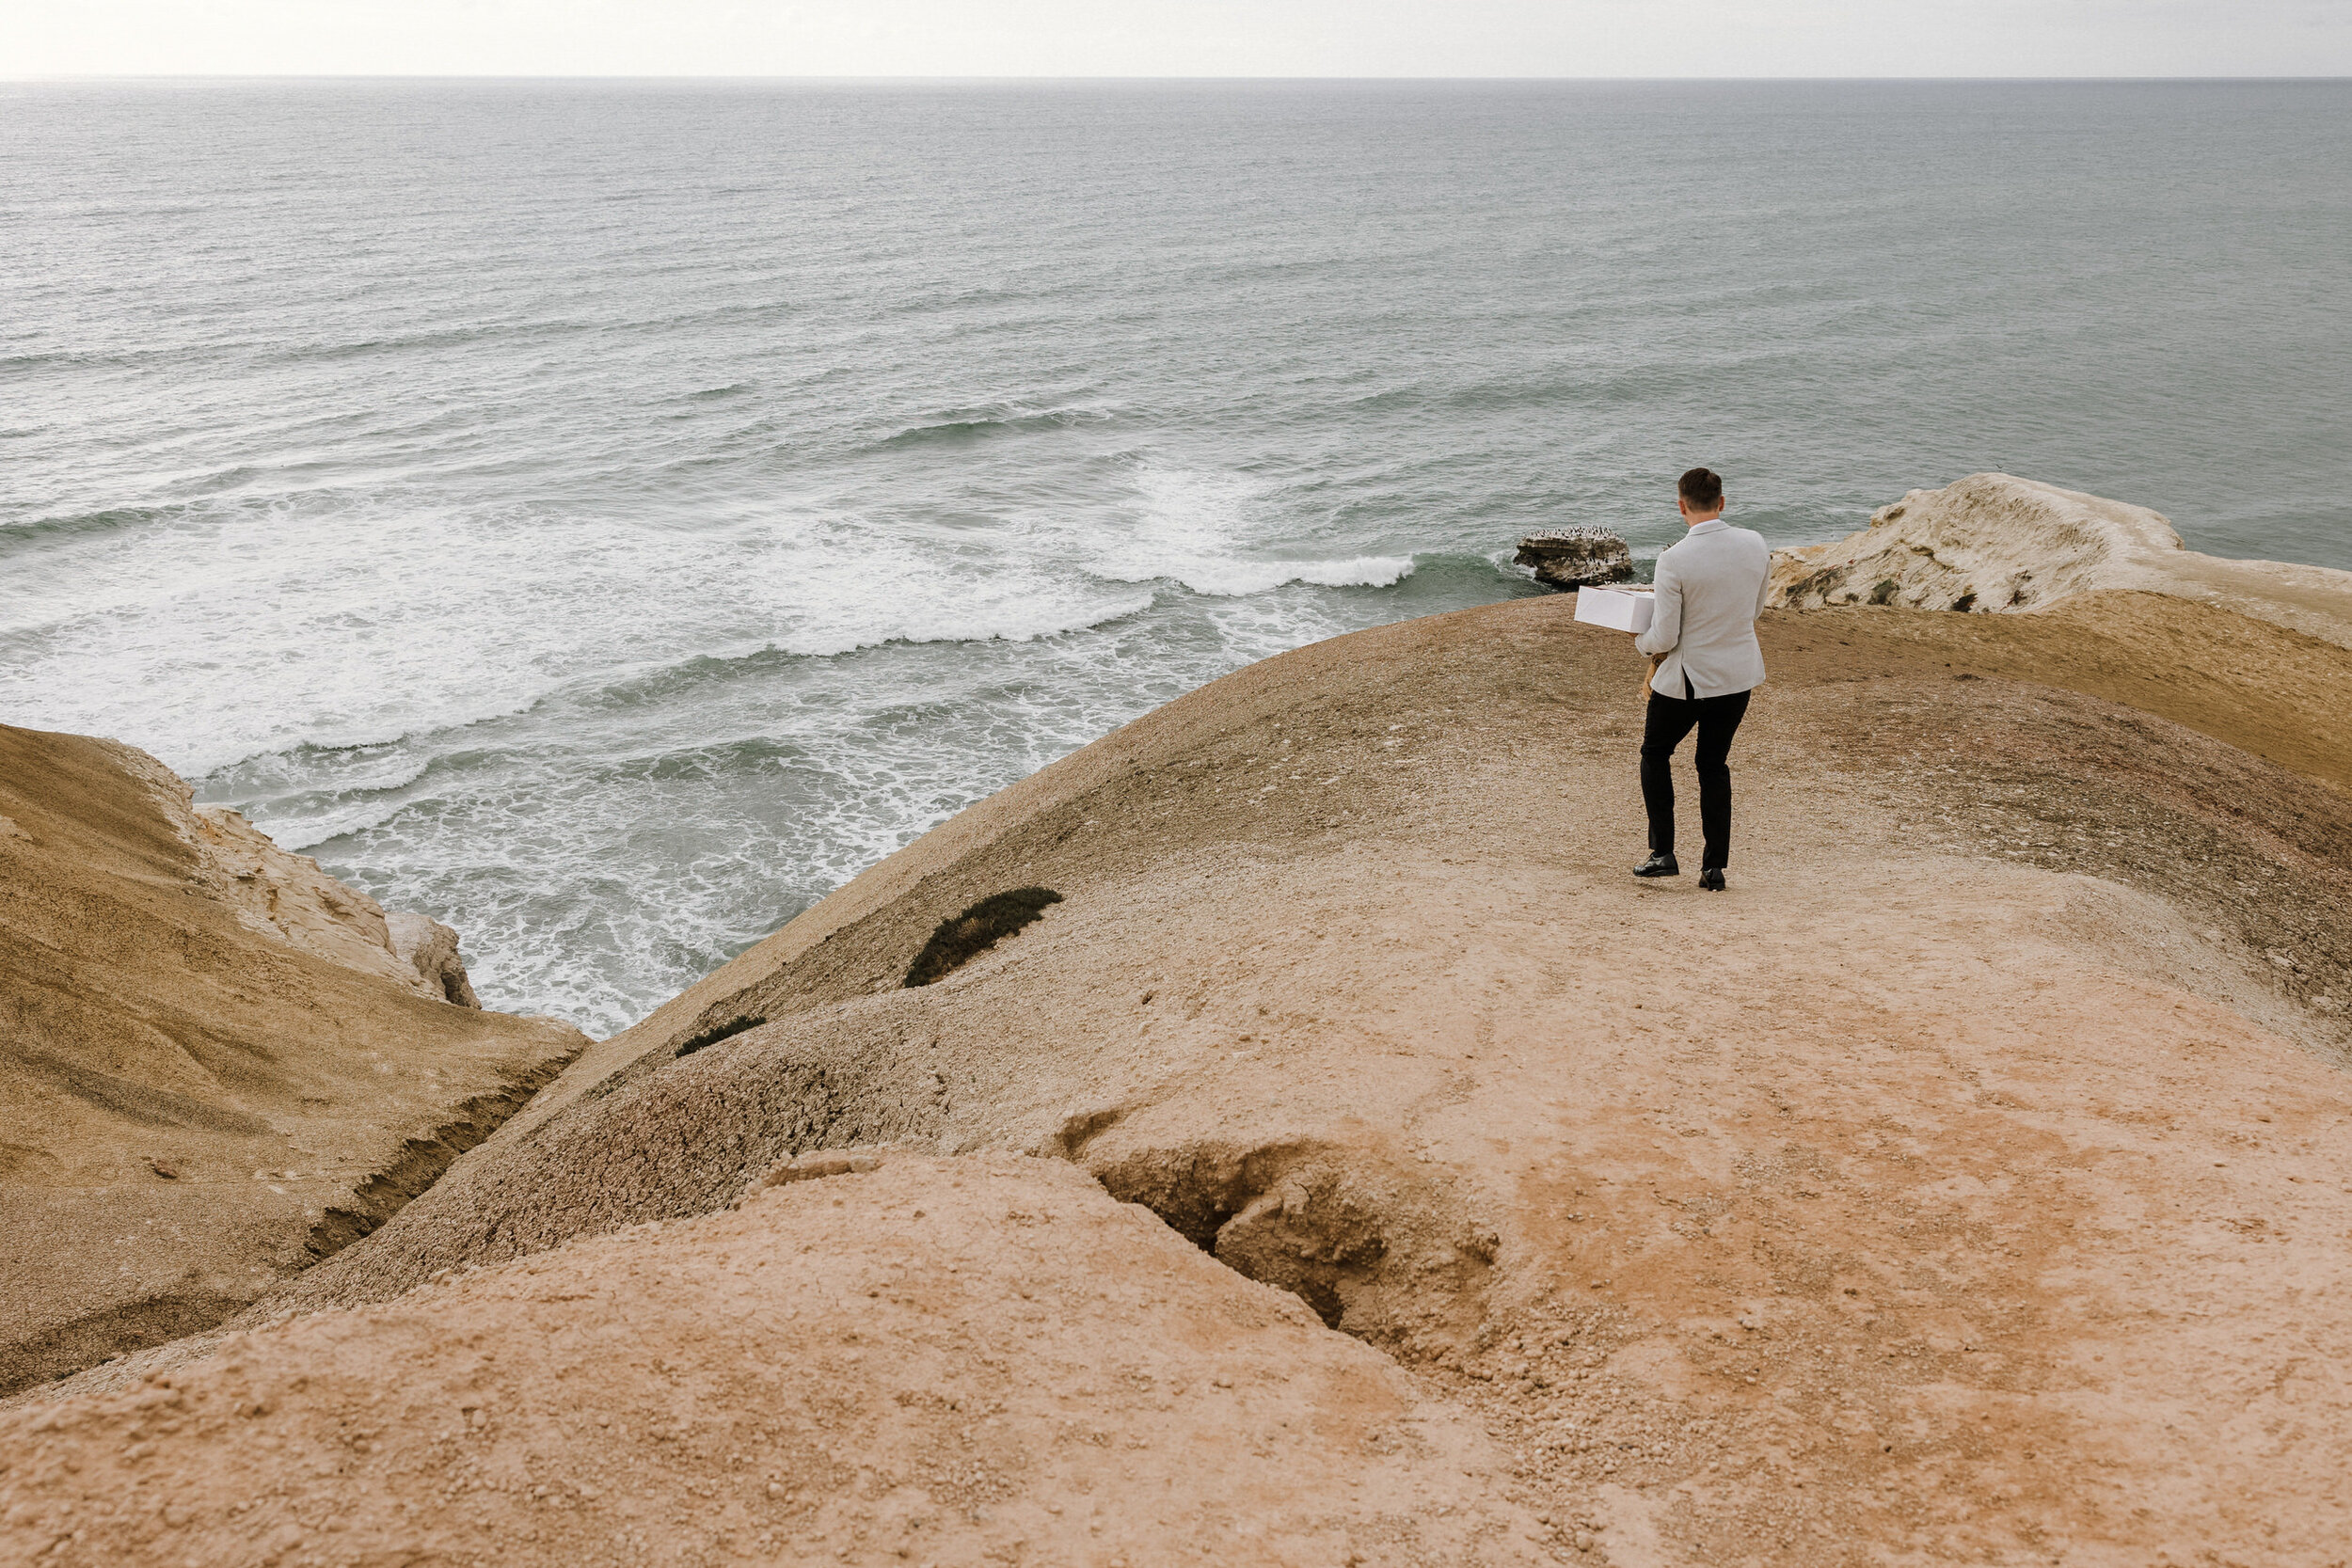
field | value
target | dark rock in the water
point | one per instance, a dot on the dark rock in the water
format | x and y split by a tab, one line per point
1572	557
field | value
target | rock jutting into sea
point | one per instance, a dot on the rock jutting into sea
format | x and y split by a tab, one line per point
1572	558
1995	541
1350	1163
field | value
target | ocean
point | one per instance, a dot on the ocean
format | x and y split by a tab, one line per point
609	516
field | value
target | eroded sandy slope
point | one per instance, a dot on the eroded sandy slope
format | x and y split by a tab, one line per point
949	1362
1971	1180
216	1063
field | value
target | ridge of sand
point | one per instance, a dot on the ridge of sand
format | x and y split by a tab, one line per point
1972	1181
1994	542
220	1063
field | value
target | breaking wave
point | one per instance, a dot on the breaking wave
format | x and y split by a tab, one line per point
959	428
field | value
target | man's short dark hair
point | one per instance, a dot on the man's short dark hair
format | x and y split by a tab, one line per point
1703	488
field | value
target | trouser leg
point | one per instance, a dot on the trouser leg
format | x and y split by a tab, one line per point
1717	724
1668	720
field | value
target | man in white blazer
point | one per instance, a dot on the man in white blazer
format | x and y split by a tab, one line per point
1704	661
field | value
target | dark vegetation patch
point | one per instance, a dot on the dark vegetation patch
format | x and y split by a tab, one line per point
1965	602
962	938
716	1032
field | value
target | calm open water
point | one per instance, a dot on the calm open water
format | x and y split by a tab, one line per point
609	516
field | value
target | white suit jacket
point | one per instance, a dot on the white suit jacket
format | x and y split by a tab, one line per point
1711	589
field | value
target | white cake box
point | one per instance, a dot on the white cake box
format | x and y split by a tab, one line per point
1626	609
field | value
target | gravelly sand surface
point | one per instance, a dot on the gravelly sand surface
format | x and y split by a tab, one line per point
941	1361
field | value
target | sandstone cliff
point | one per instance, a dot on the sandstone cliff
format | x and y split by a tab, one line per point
219	1062
1973	1182
286	897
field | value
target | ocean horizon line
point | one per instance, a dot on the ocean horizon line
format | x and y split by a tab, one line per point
1268	79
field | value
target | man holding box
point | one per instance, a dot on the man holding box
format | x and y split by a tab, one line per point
1704	661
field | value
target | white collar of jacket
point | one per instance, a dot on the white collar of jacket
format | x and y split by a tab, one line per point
1712	525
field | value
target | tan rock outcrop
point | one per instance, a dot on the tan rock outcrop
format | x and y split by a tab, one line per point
1994	541
287	897
215	1068
1987	542
427	950
962	1361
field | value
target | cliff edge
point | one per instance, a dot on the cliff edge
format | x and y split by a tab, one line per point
1971	1181
219	1062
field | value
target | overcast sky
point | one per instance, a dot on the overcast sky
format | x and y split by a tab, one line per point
1181	37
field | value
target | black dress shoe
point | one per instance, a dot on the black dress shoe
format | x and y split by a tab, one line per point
1657	865
1712	879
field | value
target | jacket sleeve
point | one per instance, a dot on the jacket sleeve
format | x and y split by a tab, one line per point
1764	583
1665	627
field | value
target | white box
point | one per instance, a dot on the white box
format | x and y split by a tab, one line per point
1626	609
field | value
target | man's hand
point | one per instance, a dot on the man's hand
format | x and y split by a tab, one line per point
1649	674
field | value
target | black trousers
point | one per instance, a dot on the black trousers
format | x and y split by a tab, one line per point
1717	719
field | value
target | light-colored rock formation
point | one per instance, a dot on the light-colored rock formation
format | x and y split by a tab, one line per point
1994	542
427	952
1987	542
288	897
215	1067
975	1361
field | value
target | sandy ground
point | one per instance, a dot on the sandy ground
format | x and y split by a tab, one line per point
946	1362
197	1100
1973	1182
